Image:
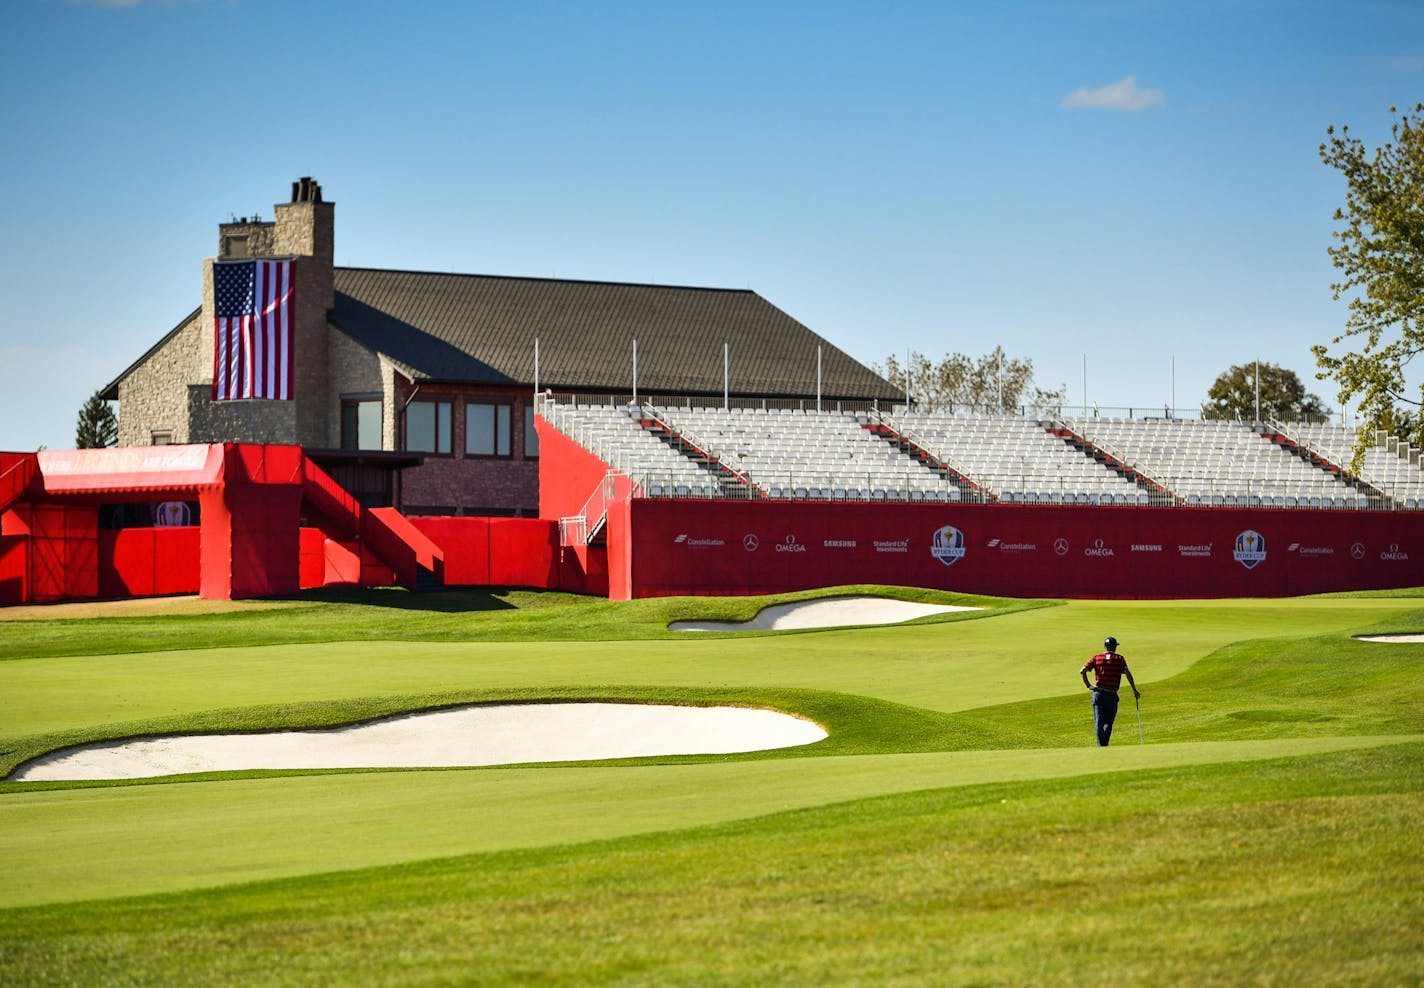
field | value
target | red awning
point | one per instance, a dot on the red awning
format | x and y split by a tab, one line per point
128	469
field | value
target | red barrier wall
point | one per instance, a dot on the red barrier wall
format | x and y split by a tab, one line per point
465	542
312	567
146	562
569	475
14	569
63	552
731	547
250	542
524	552
500	552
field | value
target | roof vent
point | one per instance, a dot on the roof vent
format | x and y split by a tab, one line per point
306	190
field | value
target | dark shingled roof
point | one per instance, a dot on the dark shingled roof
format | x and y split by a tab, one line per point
459	328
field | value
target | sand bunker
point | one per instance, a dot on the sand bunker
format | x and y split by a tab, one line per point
1394	639
477	735
826	612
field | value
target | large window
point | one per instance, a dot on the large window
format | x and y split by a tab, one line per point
360	423
427	426
531	438
487	429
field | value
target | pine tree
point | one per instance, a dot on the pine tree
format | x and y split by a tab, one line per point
97	426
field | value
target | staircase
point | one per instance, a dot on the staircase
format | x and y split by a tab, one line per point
734	483
1113	460
883	427
16	472
1277	433
380	535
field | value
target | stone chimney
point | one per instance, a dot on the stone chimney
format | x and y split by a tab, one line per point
303	229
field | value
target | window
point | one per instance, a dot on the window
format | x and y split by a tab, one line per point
161	439
531	438
487	429
427	426
360	423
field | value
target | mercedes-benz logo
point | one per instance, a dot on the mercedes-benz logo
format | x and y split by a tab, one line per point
1060	546
750	542
1358	550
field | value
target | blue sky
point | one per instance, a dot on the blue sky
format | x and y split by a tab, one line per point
1136	184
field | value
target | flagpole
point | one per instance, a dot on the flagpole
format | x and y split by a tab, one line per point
818	377
726	375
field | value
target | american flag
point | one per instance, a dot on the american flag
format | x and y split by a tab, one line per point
252	317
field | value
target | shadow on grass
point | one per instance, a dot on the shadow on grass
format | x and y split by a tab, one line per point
449	601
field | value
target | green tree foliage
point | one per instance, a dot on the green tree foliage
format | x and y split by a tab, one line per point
97	425
1379	252
993	382
1233	396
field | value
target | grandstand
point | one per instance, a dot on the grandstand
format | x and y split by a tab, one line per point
1220	463
1391	468
1017	459
685	451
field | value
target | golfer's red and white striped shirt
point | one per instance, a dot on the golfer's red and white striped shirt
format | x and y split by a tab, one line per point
1108	668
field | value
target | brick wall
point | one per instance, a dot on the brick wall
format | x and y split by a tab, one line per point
460	483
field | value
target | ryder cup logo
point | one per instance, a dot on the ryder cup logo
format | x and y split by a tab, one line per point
1250	548
947	545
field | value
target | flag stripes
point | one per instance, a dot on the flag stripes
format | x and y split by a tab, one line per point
252	323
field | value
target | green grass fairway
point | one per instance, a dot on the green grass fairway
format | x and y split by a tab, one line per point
959	825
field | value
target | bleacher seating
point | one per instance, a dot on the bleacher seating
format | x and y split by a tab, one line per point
615	436
1018	458
793	453
1218	463
941	457
1384	469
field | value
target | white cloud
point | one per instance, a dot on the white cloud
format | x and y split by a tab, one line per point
1123	96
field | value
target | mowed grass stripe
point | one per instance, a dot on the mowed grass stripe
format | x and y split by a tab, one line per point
79	844
1295	871
960	665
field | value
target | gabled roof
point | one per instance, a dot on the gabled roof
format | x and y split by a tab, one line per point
479	329
110	391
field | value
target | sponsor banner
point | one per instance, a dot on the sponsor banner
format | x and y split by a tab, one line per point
1250	549
947	545
1011	550
1303	551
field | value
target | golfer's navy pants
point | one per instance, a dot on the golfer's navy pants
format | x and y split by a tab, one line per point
1104	713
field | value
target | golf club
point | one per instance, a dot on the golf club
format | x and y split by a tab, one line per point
1137	702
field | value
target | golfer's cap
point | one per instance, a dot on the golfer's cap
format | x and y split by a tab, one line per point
1110	642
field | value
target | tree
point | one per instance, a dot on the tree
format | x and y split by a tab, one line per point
1380	254
993	382
97	426
1233	396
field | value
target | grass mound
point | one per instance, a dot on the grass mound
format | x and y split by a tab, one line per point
958	826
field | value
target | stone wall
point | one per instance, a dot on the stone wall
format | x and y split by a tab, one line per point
357	372
248	420
154	396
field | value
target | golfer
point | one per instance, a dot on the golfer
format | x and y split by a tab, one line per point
1108	669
